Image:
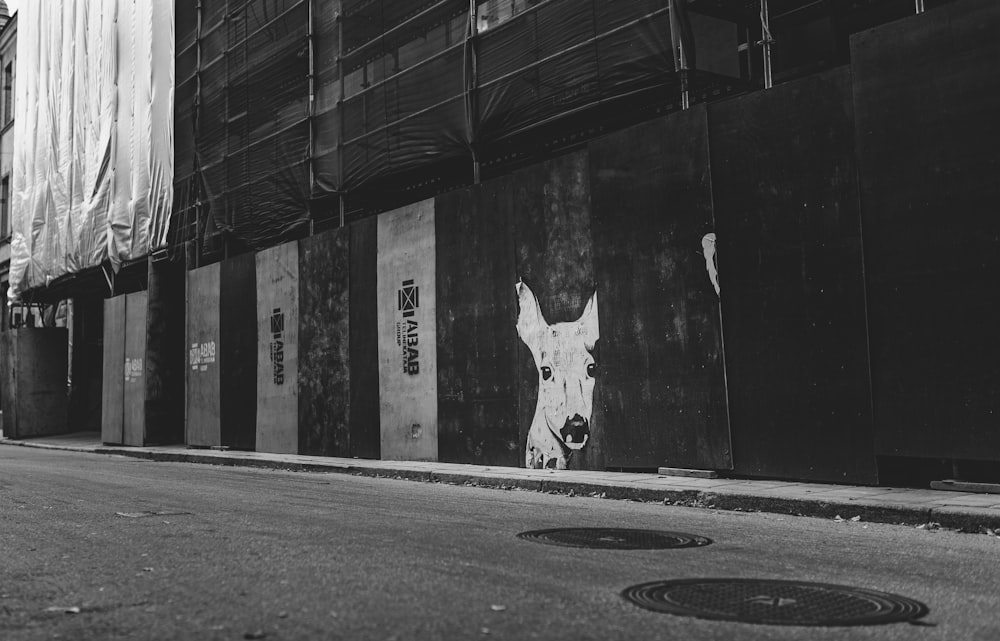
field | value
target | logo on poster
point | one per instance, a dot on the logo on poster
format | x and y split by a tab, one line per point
133	369
278	346
407	327
201	355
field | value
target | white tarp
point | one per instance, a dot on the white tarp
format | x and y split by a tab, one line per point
93	136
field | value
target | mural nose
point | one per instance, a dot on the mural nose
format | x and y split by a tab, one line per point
575	432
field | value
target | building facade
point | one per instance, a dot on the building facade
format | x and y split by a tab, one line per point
600	236
8	65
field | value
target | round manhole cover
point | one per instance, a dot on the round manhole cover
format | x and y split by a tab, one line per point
614	538
774	602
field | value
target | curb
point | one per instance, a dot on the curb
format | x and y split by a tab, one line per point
965	519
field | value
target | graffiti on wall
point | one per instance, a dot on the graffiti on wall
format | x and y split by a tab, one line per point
711	262
566	368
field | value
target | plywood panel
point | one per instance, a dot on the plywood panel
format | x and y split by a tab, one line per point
277	349
165	354
553	251
793	300
476	335
202	380
238	351
87	359
407	349
927	95
113	379
324	344
662	373
135	375
364	406
7	392
41	365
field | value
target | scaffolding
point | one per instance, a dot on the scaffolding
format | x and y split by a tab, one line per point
297	114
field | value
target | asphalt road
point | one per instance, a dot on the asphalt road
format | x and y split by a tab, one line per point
239	553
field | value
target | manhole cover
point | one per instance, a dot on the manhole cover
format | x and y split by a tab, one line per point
614	538
774	602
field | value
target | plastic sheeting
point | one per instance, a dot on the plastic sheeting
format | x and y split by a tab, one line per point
93	136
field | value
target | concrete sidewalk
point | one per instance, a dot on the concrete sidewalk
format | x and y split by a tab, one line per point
966	511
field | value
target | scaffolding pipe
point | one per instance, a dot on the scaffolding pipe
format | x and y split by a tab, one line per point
765	41
197	136
340	113
312	107
471	81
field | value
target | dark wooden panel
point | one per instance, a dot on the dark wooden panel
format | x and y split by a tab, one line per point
663	382
789	248
113	379
8	397
364	410
554	257
927	95
40	366
202	376
165	354
238	351
88	359
134	412
476	319
324	344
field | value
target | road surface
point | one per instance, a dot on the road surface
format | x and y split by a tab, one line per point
149	550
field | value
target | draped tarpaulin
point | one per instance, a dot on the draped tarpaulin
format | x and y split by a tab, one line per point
93	136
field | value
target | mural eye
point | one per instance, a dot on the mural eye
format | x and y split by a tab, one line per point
591	370
546	372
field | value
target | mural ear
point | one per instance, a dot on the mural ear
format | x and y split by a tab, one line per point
588	320
530	322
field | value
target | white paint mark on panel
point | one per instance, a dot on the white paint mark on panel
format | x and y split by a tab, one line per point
711	261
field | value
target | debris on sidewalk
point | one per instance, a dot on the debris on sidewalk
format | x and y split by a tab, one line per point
63	609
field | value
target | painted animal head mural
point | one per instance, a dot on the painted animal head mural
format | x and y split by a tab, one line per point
566	368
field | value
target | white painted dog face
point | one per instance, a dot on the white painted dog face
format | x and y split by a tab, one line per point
566	369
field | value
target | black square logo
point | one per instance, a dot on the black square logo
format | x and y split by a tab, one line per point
409	297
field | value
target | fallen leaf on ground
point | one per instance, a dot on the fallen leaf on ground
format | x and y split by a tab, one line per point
63	609
838	519
498	608
856	518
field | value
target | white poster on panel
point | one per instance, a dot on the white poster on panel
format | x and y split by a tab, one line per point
407	333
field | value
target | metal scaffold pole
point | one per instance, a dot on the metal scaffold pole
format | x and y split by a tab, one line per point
765	42
340	113
311	35
471	80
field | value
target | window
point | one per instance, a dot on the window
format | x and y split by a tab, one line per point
493	12
8	93
5	207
